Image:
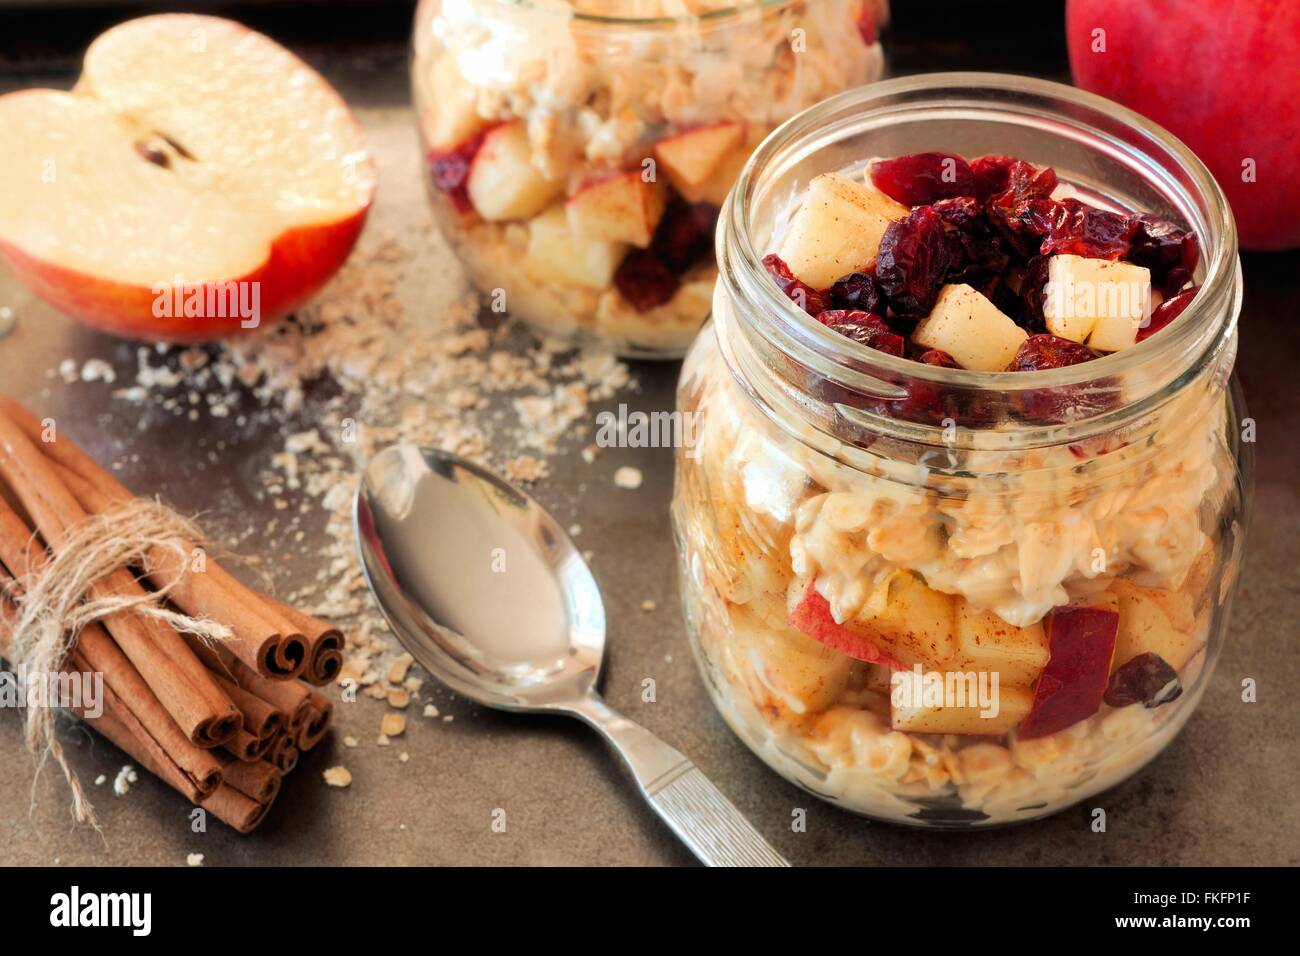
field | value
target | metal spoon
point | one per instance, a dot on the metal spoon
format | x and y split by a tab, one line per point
490	595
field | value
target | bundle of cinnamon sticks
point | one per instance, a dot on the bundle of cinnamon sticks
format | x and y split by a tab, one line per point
221	721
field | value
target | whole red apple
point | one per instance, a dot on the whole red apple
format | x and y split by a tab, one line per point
1223	76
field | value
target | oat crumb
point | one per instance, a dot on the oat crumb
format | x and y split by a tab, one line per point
194	859
393	725
338	777
628	477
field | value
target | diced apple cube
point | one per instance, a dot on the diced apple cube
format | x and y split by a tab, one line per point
795	673
691	157
910	621
985	642
714	189
1096	301
1007	708
1156	622
837	230
453	116
555	253
970	328
619	208
503	182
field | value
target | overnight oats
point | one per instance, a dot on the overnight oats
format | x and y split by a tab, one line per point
960	527
577	152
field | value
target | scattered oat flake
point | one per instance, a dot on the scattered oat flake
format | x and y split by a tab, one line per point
399	698
338	777
349	741
430	710
397	670
101	780
404	757
383	740
393	725
194	859
448	718
122	782
7	320
628	477
526	468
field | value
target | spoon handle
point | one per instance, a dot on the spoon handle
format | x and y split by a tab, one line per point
696	810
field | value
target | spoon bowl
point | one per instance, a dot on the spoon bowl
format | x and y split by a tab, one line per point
491	597
484	589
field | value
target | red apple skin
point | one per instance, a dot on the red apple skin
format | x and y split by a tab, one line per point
301	261
812	616
1082	643
1223	76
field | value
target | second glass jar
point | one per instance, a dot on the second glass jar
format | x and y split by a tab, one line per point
577	153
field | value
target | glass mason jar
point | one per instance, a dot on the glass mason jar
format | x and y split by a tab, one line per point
833	491
577	152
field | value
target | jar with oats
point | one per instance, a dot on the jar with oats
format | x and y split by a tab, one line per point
577	151
940	595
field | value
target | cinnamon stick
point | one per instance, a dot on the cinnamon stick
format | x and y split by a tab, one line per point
183	686
283	753
261	719
244	746
259	780
290	697
325	644
316	725
236	810
269	643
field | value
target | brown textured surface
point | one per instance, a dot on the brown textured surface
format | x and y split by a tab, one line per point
1223	793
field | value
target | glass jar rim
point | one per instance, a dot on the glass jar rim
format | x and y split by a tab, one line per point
1205	325
600	20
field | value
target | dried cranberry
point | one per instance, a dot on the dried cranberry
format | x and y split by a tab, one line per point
857	290
449	171
1169	252
912	261
923	178
685	233
1077	229
1014	211
1040	352
1146	679
1033	296
1056	405
1004	181
864	328
645	280
992	175
804	296
1167	311
977	250
938	357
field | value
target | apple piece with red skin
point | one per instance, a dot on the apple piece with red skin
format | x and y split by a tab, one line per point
622	207
1152	57
812	615
1081	641
692	156
170	166
503	183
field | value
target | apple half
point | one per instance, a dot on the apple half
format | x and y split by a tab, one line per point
200	180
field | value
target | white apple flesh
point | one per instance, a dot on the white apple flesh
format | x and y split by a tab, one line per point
192	151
